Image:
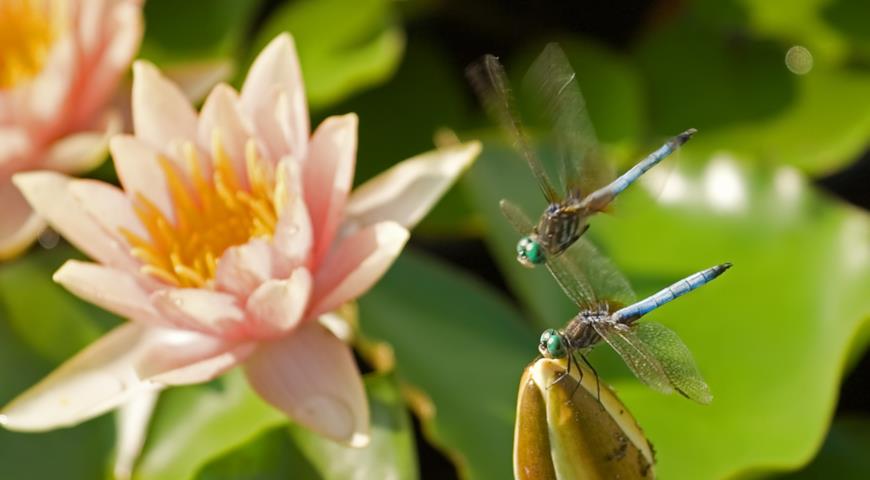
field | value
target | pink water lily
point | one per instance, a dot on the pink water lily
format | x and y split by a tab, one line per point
60	63
234	231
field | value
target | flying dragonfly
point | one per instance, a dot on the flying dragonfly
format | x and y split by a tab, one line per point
587	185
608	311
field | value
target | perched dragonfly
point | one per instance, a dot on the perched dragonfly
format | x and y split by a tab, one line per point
608	310
587	185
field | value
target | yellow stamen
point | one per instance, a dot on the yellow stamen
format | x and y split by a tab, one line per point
208	215
27	30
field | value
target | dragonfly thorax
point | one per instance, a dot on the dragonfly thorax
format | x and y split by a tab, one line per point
560	226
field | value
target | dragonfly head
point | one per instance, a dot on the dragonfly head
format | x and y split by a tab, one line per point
529	251
552	344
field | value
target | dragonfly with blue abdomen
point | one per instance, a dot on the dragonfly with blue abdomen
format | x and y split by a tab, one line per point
608	311
587	185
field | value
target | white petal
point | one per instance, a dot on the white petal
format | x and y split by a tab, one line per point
407	191
161	112
356	265
277	305
132	428
243	268
199	309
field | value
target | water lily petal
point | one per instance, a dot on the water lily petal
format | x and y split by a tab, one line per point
293	238
198	309
47	93
161	113
201	310
133	420
328	175
108	206
275	72
203	365
114	290
49	194
19	224
407	191
221	113
140	173
276	306
81	152
96	380
17	146
122	29
243	268
356	264
312	377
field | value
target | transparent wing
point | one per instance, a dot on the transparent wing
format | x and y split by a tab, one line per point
589	278
552	84
516	216
640	359
676	359
490	82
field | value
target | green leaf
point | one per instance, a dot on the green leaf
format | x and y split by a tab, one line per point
343	45
461	349
272	455
771	337
41	313
391	452
739	94
844	454
195	29
195	425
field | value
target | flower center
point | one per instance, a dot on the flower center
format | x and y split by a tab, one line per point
27	30
212	213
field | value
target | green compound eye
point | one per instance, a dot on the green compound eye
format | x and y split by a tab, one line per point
555	347
529	251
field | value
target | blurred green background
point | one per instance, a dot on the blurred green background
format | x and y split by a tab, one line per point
777	181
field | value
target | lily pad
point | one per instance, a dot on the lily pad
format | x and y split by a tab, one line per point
459	351
771	337
343	45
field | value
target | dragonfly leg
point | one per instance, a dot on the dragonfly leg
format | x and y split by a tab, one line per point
572	358
597	378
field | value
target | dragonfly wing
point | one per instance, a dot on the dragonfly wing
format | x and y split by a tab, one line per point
639	358
553	85
676	359
516	216
569	273
595	275
490	82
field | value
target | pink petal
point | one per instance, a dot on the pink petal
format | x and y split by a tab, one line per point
96	380
48	92
276	72
124	25
293	238
407	191
140	172
221	114
19	224
204	370
328	176
356	265
243	268
114	290
49	194
312	377
134	418
161	113
276	306
16	152
199	309
80	152
108	206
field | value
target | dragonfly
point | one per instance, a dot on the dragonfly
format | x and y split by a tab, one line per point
608	311
587	185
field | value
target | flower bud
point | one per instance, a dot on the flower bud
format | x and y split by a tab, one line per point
564	432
